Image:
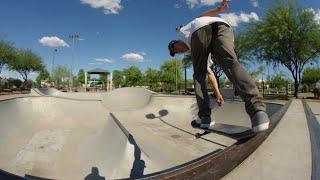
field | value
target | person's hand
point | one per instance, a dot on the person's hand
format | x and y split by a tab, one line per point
224	5
219	100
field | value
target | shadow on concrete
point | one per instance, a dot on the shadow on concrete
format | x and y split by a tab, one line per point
94	175
163	113
138	164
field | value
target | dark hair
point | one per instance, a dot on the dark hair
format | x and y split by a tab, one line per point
171	47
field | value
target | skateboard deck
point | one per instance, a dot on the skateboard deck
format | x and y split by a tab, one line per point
232	131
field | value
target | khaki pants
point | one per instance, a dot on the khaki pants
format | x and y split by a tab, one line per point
217	39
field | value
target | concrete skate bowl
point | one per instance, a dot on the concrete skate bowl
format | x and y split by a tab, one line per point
63	138
50	91
123	98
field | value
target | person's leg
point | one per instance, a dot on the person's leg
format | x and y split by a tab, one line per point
200	43
224	53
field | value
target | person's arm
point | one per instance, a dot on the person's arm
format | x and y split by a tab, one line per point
223	6
214	84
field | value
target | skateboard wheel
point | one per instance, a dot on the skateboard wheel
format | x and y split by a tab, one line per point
197	135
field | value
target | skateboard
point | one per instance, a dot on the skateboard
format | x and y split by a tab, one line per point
235	132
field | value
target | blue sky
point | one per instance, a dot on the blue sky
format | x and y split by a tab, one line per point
114	34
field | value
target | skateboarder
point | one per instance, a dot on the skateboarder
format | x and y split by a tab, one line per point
205	35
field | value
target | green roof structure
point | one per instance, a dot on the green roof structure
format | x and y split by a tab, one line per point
98	71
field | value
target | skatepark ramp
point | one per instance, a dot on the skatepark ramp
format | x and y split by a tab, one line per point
50	91
36	92
127	98
125	133
63	139
123	98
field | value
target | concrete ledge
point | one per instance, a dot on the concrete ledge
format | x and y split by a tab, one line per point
314	129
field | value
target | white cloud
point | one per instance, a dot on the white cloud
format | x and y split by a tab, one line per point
177	6
135	57
109	6
93	63
52	41
254	3
316	13
235	19
103	60
195	3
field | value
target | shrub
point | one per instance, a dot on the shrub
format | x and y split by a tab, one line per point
316	92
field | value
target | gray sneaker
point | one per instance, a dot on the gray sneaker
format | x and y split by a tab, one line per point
202	123
260	121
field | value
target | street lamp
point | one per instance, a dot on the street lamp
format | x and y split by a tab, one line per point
73	37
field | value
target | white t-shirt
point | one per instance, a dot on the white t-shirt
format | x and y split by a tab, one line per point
187	30
210	62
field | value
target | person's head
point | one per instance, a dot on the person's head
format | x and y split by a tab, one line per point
177	47
94	170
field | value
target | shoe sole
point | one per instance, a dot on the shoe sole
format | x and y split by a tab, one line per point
207	125
204	126
197	124
261	127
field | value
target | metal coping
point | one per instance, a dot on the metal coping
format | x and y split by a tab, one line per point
57	97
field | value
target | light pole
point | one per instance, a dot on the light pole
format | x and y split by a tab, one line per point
176	75
55	50
262	86
73	37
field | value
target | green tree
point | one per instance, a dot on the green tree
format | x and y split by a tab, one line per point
43	75
24	62
133	76
311	76
117	78
152	77
81	76
255	74
171	74
7	51
13	82
60	74
104	79
217	70
278	81
224	82
241	45
288	35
